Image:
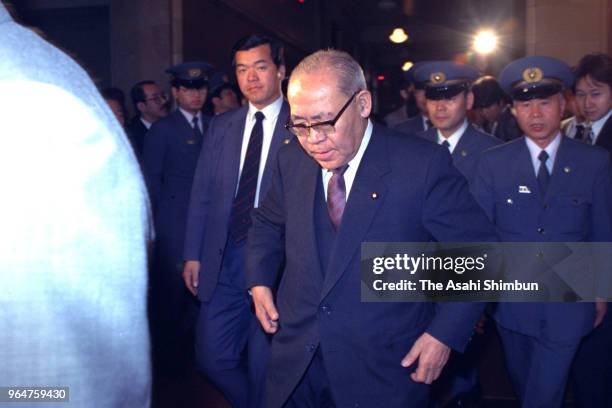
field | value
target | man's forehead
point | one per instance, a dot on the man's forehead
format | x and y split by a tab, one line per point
590	82
260	53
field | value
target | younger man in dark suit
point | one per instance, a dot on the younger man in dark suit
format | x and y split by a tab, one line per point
232	177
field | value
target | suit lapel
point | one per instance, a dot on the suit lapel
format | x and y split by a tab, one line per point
464	146
309	171
279	138
604	139
360	208
232	139
562	168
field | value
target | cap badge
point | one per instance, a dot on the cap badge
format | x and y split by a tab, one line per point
437	77
532	74
194	72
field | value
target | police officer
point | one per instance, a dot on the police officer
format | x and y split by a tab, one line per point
448	98
171	151
544	187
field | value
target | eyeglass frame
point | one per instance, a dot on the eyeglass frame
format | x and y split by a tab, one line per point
290	126
159	99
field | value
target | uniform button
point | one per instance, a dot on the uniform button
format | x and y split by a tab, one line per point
541	230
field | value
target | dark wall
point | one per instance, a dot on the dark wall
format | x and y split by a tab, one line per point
82	32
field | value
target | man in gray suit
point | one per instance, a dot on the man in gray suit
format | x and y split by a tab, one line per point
74	228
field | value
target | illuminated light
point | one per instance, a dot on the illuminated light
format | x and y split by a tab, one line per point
380	77
485	42
407	65
398	36
301	1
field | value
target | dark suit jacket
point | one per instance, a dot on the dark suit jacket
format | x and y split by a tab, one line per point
468	150
411	126
362	343
605	136
577	207
136	131
214	189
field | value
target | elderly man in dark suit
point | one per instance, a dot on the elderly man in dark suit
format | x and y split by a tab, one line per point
74	228
544	187
329	348
233	176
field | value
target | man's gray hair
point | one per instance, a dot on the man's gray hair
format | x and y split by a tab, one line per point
347	70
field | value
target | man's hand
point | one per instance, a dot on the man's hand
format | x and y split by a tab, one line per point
432	355
601	308
264	308
191	273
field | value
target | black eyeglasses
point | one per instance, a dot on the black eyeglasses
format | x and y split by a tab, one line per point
327	127
159	98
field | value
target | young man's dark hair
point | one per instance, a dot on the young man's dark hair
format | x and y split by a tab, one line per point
137	93
246	43
598	66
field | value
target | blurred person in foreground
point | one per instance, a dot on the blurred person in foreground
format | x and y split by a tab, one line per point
74	228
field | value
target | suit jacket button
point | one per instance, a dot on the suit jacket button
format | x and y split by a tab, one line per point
541	230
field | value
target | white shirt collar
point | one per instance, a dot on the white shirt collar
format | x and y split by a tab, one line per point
599	124
270	112
551	149
146	123
190	117
454	138
353	165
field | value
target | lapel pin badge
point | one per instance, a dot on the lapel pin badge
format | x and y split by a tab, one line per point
524	190
463	153
567	169
375	196
286	141
509	201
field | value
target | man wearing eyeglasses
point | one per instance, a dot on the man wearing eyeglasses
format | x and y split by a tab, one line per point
151	104
347	182
232	177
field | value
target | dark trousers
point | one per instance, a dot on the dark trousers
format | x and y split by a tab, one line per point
592	372
313	390
538	367
231	347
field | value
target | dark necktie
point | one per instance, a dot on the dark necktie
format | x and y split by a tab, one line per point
588	135
336	196
579	133
428	124
446	144
240	217
196	128
543	174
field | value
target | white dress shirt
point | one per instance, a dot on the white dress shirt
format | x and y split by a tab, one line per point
353	165
551	149
454	138
271	113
